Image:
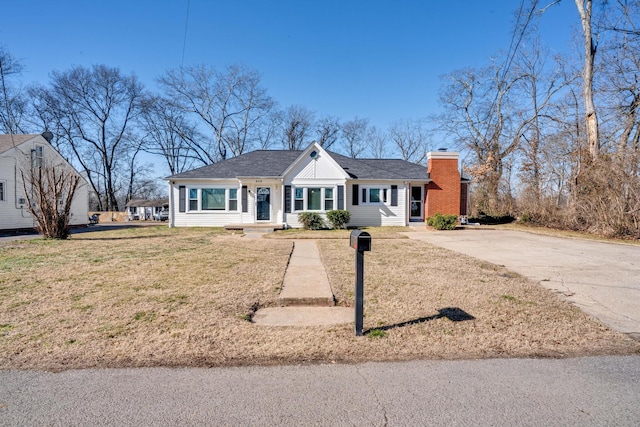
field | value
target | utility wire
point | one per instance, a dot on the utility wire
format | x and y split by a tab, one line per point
184	40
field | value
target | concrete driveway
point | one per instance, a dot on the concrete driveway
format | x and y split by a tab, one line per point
603	279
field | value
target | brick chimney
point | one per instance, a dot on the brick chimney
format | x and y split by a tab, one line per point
443	192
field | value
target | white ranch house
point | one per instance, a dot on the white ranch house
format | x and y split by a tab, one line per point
271	187
18	153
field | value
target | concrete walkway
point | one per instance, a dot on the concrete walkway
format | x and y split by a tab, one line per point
306	298
603	279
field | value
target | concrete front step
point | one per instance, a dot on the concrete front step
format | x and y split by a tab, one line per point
307	301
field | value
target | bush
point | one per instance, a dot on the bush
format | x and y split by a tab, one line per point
311	220
443	222
338	218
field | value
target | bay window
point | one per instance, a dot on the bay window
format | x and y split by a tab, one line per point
213	199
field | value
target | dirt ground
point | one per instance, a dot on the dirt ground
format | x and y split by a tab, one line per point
156	296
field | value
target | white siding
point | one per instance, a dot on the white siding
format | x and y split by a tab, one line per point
13	215
313	169
222	218
377	214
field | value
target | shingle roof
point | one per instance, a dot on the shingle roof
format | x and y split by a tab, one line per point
272	163
265	163
7	142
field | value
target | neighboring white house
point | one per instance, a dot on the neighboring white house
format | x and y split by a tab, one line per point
274	186
19	153
145	210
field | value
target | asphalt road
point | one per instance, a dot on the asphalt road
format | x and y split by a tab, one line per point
603	279
592	391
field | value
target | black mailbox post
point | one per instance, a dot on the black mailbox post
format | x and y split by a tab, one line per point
361	242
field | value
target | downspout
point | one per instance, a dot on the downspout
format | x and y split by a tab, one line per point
282	204
407	204
172	215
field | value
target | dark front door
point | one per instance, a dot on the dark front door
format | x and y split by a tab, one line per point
263	203
416	203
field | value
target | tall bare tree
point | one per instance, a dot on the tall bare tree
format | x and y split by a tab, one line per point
12	100
327	131
410	136
95	109
377	143
297	122
170	135
585	10
230	103
354	136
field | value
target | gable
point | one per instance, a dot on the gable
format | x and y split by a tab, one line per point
318	166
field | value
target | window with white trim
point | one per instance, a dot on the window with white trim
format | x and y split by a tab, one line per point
2	191
328	199
299	199
374	195
233	199
193	199
213	199
318	199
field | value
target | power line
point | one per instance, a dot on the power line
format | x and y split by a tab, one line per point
184	40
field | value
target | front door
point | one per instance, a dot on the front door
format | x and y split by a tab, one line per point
263	204
416	203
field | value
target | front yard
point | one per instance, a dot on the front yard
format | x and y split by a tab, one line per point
184	297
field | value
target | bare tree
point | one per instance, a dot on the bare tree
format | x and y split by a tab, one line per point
410	136
95	110
327	131
354	136
377	143
230	103
296	125
169	134
540	84
49	190
585	9
12	101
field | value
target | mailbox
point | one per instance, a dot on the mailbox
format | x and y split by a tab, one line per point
361	241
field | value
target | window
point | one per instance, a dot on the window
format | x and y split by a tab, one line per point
2	190
38	156
374	195
213	199
233	199
314	199
193	199
328	199
299	201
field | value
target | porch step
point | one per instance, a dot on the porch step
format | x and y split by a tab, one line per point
305	280
255	228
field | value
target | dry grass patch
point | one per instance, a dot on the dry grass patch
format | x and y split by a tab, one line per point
183	297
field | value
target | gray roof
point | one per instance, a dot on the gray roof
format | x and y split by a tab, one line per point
273	163
7	142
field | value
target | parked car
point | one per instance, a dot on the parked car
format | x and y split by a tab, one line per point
163	215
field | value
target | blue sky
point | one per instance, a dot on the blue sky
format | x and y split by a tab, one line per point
378	59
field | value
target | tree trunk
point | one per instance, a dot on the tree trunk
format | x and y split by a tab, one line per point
584	9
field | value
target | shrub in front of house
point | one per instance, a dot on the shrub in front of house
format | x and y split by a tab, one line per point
311	220
338	218
443	222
